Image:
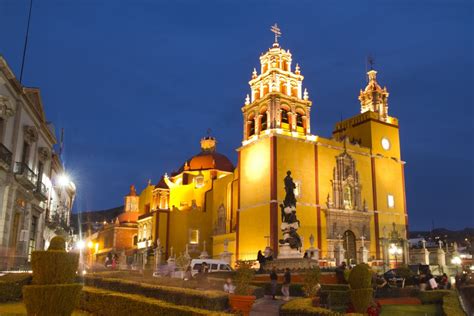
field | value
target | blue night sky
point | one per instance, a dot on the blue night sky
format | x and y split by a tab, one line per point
136	84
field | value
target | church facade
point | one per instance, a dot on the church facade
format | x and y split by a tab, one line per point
350	186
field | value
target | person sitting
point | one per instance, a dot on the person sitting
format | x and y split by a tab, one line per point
229	287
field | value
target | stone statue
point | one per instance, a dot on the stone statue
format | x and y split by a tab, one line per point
290	222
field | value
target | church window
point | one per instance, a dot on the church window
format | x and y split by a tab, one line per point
297	189
284	116
251	126
199	180
194	236
135	240
390	201
263	121
299	120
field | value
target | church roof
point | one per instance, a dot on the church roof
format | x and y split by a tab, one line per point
207	160
162	184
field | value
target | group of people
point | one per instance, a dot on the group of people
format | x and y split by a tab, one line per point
285	287
111	260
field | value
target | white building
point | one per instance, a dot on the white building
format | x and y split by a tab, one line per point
32	187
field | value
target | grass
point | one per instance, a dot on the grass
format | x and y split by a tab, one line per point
18	308
412	310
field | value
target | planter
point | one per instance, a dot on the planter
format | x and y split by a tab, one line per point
241	303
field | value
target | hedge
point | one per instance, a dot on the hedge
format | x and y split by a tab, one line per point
54	267
11	285
451	305
51	299
338	300
211	300
334	287
304	307
396	292
433	297
104	303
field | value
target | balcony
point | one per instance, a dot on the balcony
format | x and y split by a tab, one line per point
25	176
41	192
5	157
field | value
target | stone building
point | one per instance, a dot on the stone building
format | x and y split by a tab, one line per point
33	188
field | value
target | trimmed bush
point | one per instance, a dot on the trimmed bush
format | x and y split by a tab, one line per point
311	284
361	299
56	299
57	243
54	267
104	303
53	291
243	276
360	277
433	297
211	300
451	305
334	287
11	285
303	307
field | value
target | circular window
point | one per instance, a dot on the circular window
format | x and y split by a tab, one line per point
385	143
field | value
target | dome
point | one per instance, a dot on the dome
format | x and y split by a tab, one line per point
208	158
130	217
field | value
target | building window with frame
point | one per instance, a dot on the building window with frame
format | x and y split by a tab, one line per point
284	116
25	155
194	236
263	121
32	241
390	201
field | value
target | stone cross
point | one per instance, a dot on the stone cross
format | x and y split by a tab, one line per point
423	242
171	251
440	243
276	30
362	238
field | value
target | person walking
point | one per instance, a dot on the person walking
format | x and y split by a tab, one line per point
273	282
285	289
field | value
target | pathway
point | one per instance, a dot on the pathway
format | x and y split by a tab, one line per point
266	307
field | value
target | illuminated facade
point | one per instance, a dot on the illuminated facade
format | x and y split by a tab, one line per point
350	187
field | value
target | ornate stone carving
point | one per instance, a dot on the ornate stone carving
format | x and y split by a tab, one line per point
44	154
220	226
290	222
345	185
30	134
6	107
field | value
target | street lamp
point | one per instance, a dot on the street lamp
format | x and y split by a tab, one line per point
457	262
395	251
80	244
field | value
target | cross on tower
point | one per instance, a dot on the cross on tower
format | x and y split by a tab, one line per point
276	30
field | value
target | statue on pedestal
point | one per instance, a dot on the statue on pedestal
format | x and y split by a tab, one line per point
290	222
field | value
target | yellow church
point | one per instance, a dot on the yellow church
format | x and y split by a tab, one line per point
349	187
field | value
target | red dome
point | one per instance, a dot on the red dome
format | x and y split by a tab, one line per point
208	160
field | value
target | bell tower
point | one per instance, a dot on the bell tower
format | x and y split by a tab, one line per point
277	100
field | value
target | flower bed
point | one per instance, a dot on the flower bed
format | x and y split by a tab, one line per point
211	300
103	303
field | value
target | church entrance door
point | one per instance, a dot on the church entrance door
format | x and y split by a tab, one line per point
350	246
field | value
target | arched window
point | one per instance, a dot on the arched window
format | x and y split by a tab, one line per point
251	126
284	116
299	119
263	121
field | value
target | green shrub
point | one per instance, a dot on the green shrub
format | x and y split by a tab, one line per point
360	277
337	299
54	267
304	306
105	303
361	299
11	285
211	300
57	243
56	299
311	284
432	297
451	305
243	277
334	287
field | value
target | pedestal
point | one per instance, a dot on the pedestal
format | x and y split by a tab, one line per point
286	252
339	254
226	256
363	255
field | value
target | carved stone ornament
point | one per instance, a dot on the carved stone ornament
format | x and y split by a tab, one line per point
6	107
31	134
44	154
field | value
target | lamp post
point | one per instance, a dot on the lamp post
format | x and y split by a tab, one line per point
395	251
457	262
